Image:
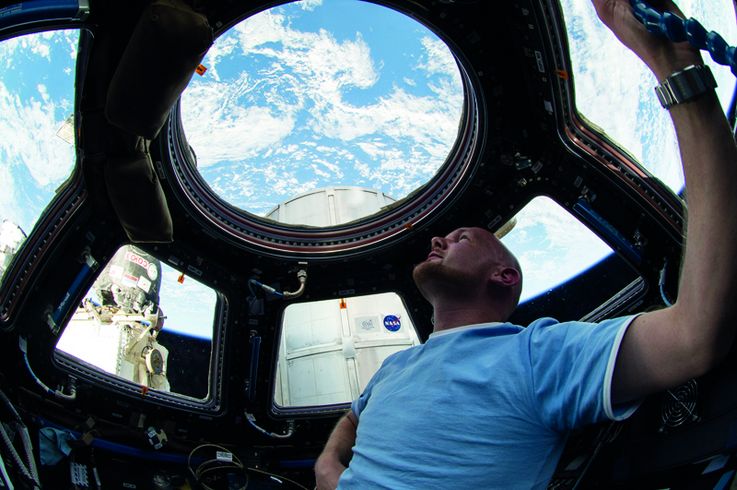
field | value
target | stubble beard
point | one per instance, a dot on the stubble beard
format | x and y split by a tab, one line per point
433	279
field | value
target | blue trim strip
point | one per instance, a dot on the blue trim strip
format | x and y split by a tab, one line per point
120	448
38	10
72	292
611	234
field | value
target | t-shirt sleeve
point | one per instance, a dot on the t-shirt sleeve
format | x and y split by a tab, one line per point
359	403
571	369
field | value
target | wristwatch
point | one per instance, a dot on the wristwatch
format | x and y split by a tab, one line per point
685	85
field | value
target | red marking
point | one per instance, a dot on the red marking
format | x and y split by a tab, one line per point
200	70
180	280
343	306
136	259
144	390
563	74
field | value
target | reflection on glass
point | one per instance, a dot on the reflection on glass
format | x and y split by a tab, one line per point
36	103
121	326
614	89
330	349
322	95
552	246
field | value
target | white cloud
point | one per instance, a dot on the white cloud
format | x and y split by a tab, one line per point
28	137
551	246
43	92
220	130
220	49
437	59
310	4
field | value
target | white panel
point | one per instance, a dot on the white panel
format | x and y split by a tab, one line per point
355	203
307	325
318	379
330	362
330	206
310	209
92	342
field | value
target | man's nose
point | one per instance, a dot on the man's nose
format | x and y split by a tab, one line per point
438	242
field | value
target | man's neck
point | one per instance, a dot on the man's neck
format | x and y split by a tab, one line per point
445	318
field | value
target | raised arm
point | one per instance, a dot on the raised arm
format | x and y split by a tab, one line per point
337	453
667	347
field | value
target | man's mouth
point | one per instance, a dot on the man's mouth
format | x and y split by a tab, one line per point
433	255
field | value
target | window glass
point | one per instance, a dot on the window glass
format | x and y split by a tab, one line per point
552	246
337	99
614	89
329	350
36	135
145	322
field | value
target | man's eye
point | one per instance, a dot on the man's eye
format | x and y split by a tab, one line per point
463	237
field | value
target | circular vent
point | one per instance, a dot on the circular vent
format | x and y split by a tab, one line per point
679	405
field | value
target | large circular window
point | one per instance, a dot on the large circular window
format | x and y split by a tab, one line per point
318	113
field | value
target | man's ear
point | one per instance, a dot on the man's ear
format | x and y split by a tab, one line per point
505	277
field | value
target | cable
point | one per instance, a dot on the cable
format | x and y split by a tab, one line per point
676	29
278	477
27	468
23	344
301	277
290	428
211	466
219	463
268	289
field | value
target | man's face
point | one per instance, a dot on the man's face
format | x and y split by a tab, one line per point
463	259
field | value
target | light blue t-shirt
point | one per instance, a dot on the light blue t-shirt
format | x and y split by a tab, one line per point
483	406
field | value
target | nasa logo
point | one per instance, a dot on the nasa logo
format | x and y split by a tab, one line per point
392	323
152	272
136	259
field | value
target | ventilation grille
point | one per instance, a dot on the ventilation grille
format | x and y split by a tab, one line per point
679	406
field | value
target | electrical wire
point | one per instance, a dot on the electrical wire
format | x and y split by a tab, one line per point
279	477
290	428
212	466
23	344
301	277
28	467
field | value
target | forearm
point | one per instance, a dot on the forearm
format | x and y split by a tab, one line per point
708	276
337	453
664	348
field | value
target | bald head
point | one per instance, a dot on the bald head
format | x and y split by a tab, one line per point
506	258
472	264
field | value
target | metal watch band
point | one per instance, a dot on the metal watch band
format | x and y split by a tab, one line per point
685	85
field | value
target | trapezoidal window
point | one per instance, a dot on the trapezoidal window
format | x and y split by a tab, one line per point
145	323
36	129
614	88
320	113
329	350
568	270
